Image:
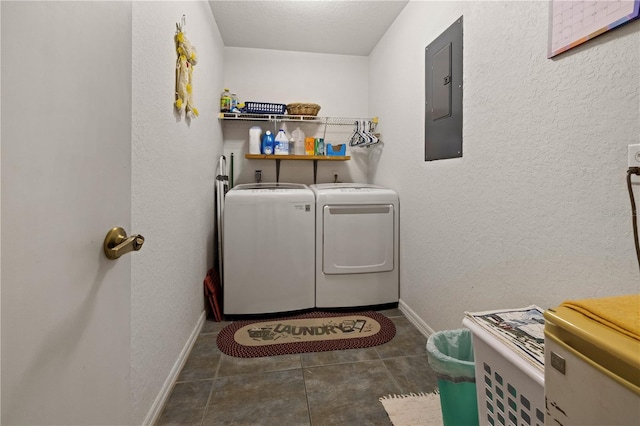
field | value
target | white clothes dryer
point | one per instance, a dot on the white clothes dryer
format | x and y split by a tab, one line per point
269	248
357	244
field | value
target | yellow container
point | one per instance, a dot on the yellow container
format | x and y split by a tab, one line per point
309	146
592	361
615	354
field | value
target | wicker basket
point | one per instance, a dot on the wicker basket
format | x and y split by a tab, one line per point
303	109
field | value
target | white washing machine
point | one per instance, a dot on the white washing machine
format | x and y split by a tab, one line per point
357	235
269	248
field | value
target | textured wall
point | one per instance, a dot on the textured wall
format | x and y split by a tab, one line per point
536	211
338	83
0	215
173	166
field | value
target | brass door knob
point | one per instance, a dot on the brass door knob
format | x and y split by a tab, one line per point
116	243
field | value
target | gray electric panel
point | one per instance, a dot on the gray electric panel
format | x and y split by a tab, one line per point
443	95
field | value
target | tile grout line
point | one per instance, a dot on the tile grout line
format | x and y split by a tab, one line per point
215	377
348	362
393	377
206	407
306	393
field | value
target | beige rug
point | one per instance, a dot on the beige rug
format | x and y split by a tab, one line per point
414	409
308	332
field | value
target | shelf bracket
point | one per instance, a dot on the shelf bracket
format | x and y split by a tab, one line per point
279	158
315	171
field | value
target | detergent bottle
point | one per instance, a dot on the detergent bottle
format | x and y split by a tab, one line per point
255	133
298	136
225	101
267	143
281	146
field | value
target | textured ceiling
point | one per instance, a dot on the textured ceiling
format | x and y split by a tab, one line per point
347	27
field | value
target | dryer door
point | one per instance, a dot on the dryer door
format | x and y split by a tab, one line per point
358	238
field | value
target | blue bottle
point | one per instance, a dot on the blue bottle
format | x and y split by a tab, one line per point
267	143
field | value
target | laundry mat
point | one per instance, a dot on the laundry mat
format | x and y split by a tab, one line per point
309	332
413	409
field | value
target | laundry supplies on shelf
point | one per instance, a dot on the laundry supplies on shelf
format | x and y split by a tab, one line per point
255	133
336	150
298	137
225	101
268	143
281	146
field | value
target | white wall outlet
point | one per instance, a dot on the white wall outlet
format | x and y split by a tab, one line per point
634	155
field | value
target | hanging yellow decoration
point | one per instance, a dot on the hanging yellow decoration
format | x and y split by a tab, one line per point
187	59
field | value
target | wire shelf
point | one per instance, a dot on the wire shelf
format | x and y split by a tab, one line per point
329	121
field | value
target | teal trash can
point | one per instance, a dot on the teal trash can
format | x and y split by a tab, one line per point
450	355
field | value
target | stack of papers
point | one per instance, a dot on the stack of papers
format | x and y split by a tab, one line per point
521	330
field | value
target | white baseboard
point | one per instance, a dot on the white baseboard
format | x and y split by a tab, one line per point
165	391
415	319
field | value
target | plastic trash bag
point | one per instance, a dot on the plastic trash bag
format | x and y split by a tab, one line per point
450	354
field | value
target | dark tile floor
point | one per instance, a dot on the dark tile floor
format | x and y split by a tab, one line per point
322	388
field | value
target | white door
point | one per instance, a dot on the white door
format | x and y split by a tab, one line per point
66	180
